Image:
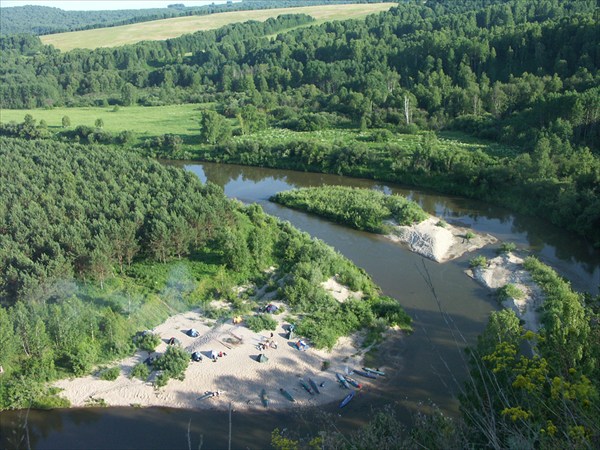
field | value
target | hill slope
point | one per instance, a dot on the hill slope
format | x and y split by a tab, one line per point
174	27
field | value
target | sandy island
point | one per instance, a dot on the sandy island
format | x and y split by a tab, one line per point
508	268
238	374
439	243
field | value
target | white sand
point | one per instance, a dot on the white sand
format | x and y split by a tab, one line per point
238	374
438	243
508	268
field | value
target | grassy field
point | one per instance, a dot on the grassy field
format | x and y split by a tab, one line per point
169	28
184	120
144	121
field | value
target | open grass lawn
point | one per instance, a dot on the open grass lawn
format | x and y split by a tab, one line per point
183	120
169	28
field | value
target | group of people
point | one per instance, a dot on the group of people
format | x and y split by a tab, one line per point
268	342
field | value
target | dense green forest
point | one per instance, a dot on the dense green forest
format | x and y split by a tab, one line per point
97	244
363	209
39	20
519	72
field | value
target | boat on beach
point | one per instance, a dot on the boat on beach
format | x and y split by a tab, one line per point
347	399
208	394
353	382
306	387
264	398
364	374
375	371
342	380
314	385
287	395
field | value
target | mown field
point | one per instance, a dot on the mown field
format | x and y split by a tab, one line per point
169	28
182	120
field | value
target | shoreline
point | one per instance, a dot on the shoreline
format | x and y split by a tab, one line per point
237	375
439	243
508	269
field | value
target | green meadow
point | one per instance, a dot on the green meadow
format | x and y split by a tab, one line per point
145	121
170	28
184	121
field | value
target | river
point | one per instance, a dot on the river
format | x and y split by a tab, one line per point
425	368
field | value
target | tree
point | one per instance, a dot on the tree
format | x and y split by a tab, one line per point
99	123
214	127
66	122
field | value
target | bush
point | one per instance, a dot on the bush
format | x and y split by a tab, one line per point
110	374
478	261
509	291
147	341
140	371
261	322
469	235
173	362
507	247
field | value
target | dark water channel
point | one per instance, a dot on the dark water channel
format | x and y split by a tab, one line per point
424	368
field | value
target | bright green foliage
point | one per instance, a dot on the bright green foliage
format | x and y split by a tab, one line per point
363	209
214	126
261	322
110	374
478	261
507	247
140	371
173	362
148	341
509	291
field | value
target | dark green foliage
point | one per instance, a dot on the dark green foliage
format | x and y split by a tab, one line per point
261	322
147	341
140	371
478	261
110	374
173	362
362	209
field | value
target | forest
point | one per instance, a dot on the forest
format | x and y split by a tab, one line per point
516	72
97	244
94	237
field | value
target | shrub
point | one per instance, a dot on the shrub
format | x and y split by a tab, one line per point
509	291
441	223
147	341
173	362
110	374
469	235
140	371
478	261
261	322
507	247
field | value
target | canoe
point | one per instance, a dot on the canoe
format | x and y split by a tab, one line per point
306	387
314	385
347	399
342	380
265	398
287	395
375	371
353	382
207	394
364	374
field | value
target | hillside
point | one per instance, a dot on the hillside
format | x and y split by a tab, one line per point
174	27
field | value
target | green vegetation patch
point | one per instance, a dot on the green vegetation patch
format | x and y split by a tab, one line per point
363	209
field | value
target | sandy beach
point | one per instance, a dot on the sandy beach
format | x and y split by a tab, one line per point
439	243
238	374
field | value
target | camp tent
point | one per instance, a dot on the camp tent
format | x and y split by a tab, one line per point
262	358
271	308
193	332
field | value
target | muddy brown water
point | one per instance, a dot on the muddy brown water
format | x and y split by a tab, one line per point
424	368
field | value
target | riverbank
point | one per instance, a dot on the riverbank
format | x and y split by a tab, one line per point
438	240
508	269
237	375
